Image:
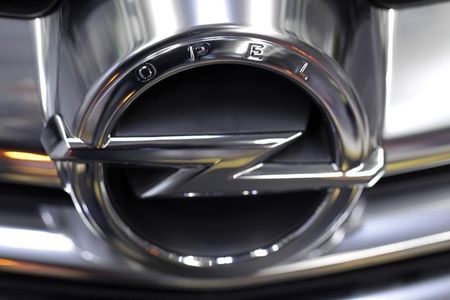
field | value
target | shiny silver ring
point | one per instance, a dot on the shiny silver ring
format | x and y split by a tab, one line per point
80	154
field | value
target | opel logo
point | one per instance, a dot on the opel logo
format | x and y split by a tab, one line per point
235	164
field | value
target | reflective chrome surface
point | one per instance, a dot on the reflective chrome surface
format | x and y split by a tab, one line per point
383	231
417	122
19	57
210	168
429	288
102	69
424	47
214	165
234	163
20	114
418	94
416	134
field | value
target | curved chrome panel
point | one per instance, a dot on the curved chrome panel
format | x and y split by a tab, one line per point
417	96
417	119
47	35
20	114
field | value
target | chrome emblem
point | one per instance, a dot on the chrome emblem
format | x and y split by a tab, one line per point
214	165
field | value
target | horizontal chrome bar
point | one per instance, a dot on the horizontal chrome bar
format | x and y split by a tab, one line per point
318	175
238	141
394	225
402	155
192	154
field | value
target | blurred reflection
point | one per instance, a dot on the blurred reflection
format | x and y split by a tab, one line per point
26	156
34	240
27	168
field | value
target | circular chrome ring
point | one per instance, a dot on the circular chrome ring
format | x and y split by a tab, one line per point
299	63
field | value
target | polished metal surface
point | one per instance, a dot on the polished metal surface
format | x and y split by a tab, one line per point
102	69
382	231
436	288
214	165
20	114
417	98
406	102
386	47
412	110
377	50
417	118
22	159
193	155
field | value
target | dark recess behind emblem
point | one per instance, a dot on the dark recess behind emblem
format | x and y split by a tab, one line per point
210	226
218	99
